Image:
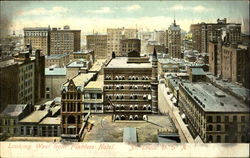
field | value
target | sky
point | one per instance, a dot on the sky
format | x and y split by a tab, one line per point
99	15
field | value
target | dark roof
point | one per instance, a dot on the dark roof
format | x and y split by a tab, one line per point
13	109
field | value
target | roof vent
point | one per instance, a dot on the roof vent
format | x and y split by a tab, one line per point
222	104
51	69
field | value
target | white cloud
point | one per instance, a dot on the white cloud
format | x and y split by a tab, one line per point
178	7
43	11
199	8
103	10
132	8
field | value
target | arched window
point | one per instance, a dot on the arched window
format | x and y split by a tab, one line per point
71	119
130	117
131	107
145	117
122	117
122	107
136	107
117	117
149	107
144	107
136	117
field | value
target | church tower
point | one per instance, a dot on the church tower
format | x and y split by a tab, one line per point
154	83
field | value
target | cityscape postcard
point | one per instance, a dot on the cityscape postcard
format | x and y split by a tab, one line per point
124	78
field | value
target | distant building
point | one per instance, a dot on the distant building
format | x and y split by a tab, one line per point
11	116
72	105
98	43
93	96
130	87
57	60
39	37
235	64
76	67
205	32
114	35
213	115
54	79
167	65
64	41
174	40
22	79
128	45
88	55
160	37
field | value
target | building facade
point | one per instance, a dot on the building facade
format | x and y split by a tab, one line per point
10	117
72	106
98	43
174	40
57	60
128	45
64	41
25	74
39	37
130	91
203	33
213	115
114	35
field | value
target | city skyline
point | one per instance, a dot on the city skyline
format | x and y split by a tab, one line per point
89	16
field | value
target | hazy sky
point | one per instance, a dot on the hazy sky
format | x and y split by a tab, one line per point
99	15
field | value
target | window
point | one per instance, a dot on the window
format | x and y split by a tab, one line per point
71	119
218	139
235	118
218	118
226	119
47	88
209	119
242	118
210	127
218	127
47	96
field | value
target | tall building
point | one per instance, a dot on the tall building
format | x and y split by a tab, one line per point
98	43
174	40
72	106
202	33
130	87
160	37
235	63
22	79
128	45
212	114
115	35
39	37
64	41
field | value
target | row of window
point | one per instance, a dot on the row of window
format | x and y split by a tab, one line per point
135	96
218	119
144	87
71	107
129	78
71	96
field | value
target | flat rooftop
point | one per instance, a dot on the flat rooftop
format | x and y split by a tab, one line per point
35	117
121	62
78	63
81	79
208	95
56	56
13	109
105	130
98	65
83	52
98	84
55	71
